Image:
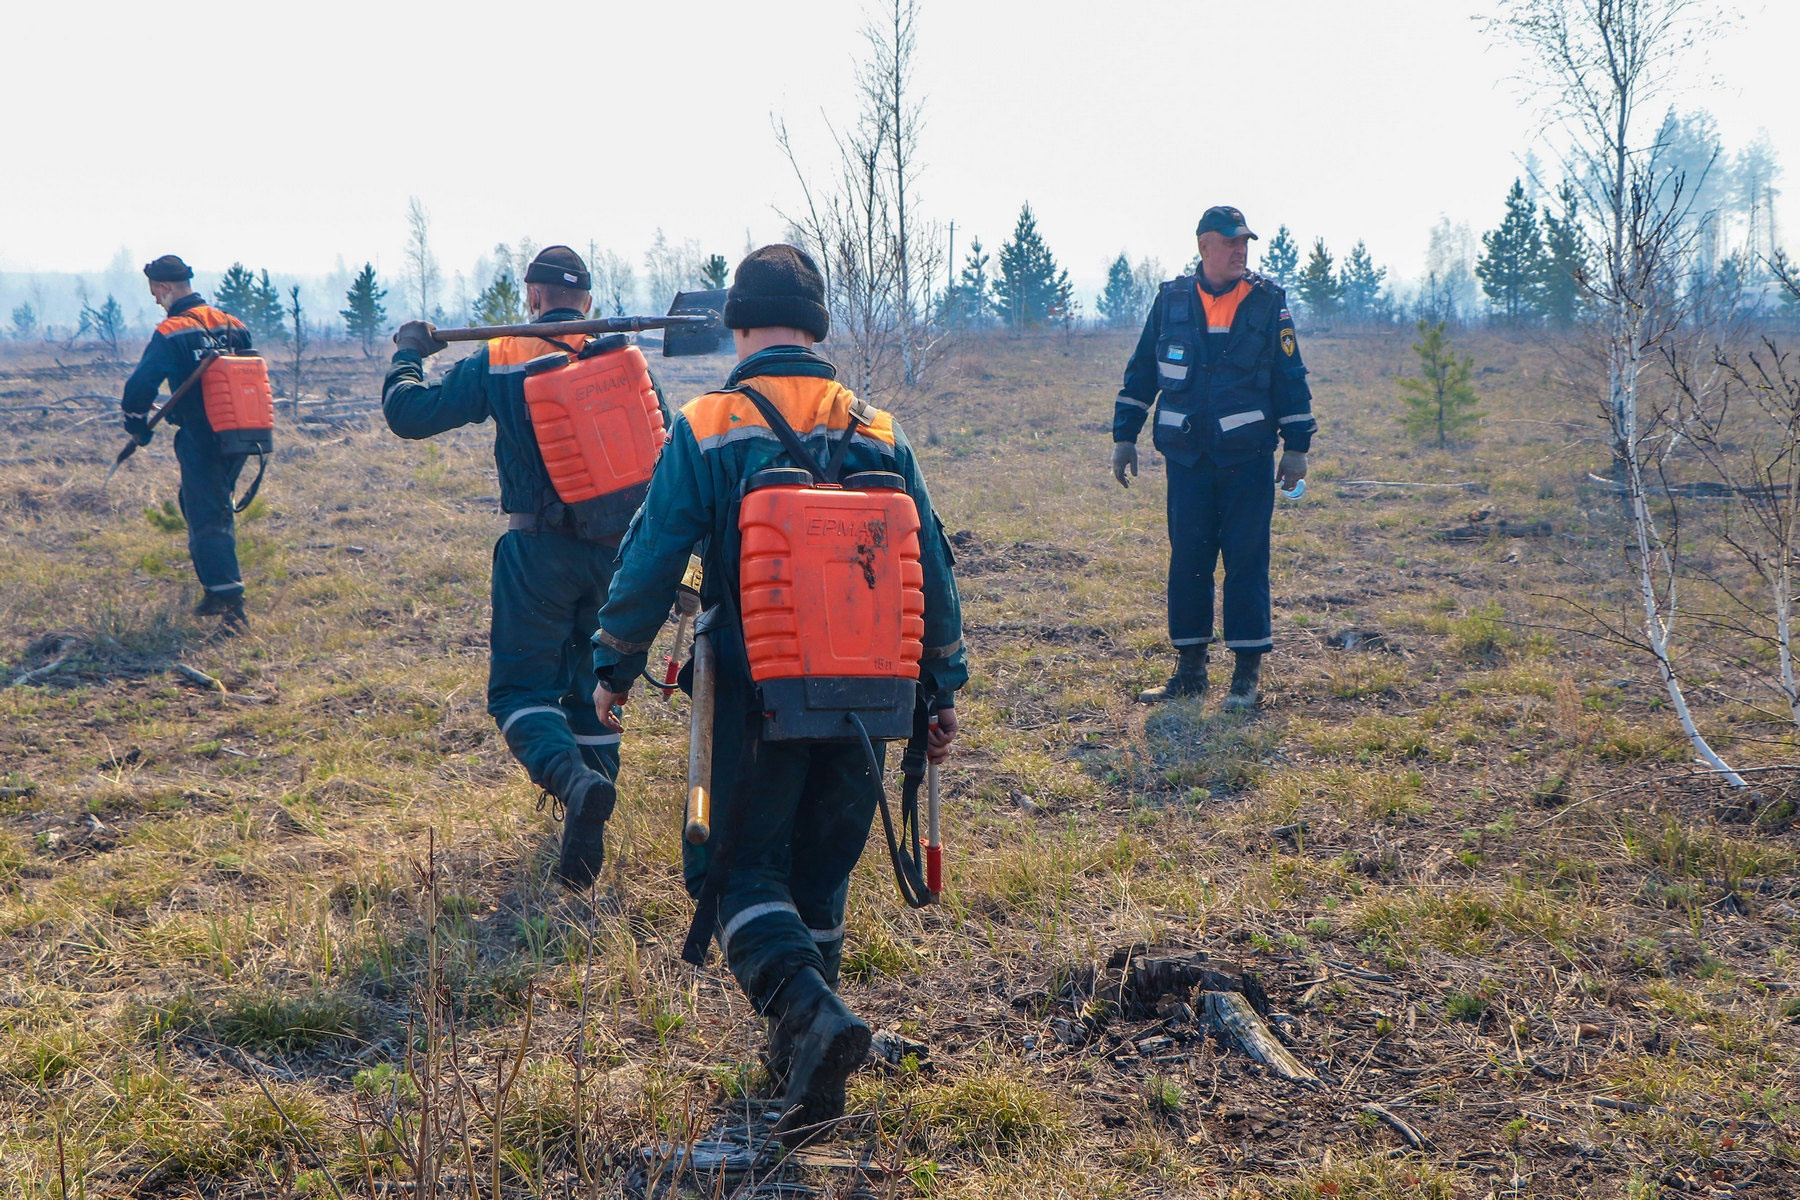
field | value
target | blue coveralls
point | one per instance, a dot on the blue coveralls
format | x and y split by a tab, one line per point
797	814
191	330
548	583
1226	378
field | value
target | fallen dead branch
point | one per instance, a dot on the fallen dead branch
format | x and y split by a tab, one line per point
1411	1136
63	649
1476	487
1499	529
1231	1015
213	684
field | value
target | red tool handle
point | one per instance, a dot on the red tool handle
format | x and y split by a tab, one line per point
934	838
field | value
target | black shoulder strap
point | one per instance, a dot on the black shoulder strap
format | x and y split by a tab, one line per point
859	415
859	412
790	440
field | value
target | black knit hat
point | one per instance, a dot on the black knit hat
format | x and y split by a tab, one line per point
167	269
560	266
778	285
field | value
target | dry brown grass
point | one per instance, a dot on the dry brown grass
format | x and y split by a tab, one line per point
1489	811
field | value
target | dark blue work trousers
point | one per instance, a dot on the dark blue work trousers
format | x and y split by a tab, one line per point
547	592
798	816
207	479
1219	511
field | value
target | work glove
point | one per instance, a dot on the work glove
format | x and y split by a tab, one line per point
137	427
1291	470
420	337
1124	455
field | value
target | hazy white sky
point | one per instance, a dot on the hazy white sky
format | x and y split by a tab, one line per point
304	128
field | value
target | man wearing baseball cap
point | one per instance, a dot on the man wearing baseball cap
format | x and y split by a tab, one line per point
193	329
1219	362
551	571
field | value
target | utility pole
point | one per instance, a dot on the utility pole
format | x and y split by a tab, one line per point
950	274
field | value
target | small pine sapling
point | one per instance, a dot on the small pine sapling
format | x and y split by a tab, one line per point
715	273
1440	400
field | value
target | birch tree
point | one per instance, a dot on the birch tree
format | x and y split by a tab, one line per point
421	263
1599	68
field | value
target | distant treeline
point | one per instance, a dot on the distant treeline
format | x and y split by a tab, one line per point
1524	271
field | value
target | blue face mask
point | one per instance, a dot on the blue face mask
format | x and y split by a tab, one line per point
1299	491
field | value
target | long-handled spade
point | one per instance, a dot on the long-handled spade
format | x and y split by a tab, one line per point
160	411
705	325
700	735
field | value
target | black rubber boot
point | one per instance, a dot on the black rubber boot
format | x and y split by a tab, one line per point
829	1043
587	799
1189	678
1244	694
778	1054
227	605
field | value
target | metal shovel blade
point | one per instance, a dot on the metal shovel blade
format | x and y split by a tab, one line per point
687	341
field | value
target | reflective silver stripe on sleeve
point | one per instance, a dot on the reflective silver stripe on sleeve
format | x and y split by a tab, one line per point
525	712
827	935
1295	417
621	645
1143	404
753	913
1172	370
941	651
597	739
1236	419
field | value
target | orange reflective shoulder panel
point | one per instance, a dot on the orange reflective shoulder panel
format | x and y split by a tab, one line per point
807	404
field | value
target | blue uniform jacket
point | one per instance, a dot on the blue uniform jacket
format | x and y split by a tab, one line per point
1222	393
475	390
192	328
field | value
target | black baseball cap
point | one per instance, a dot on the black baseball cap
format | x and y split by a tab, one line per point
1226	220
560	266
167	269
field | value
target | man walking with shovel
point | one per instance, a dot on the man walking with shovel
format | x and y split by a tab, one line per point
183	346
822	550
553	564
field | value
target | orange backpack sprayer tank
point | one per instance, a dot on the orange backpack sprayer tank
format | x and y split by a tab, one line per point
240	406
833	603
599	429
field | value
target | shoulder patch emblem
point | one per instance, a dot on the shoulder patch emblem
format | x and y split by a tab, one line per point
1283	316
1287	342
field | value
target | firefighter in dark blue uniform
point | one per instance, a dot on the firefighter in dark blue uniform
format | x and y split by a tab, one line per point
551	572
192	329
1219	362
794	814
